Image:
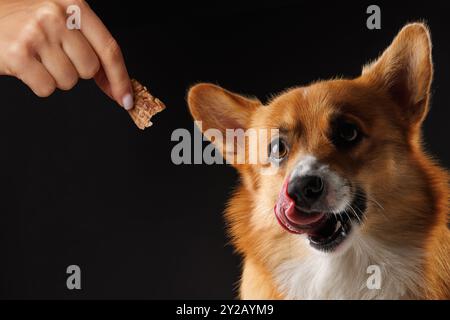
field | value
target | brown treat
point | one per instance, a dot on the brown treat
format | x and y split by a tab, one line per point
145	106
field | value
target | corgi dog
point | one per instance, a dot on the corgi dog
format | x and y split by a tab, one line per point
356	209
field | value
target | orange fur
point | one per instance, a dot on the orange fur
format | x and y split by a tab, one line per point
389	101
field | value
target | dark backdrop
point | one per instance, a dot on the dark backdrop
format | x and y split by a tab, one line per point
80	184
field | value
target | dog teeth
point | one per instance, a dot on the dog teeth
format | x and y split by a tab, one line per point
338	225
342	227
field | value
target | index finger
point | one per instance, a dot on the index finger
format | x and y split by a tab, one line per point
109	54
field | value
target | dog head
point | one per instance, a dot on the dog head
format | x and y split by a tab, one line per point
340	155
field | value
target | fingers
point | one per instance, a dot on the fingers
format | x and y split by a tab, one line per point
110	56
103	83
81	54
58	64
37	78
58	56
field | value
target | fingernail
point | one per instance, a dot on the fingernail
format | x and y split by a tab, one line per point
128	101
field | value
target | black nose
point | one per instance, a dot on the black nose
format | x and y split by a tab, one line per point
306	190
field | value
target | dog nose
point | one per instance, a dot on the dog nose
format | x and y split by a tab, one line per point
306	190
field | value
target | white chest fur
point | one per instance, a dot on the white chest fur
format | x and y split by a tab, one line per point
345	275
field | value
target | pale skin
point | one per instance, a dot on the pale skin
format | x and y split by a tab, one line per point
37	47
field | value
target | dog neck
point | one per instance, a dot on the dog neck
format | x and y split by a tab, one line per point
366	270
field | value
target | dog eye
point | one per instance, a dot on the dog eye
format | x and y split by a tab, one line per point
278	149
345	133
349	132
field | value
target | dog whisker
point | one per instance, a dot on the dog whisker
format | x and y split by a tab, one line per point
371	199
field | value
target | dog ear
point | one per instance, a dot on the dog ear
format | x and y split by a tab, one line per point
219	110
405	70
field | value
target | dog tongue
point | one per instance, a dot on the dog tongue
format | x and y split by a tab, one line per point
287	214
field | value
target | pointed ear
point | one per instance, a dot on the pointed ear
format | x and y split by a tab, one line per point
405	71
220	110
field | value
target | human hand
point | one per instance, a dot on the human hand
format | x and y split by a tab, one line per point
37	47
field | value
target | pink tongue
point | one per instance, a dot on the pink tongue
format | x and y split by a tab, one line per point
286	204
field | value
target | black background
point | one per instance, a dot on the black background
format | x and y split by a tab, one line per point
80	184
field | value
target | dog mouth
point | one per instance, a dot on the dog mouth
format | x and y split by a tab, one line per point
330	232
325	231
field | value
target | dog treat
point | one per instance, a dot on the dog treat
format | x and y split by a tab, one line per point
145	106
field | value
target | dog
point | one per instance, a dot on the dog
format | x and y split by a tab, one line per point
356	209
